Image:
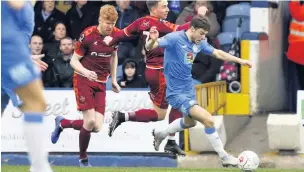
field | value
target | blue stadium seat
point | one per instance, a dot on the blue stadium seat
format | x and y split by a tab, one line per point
109	84
225	39
230	24
119	72
259	4
241	9
119	76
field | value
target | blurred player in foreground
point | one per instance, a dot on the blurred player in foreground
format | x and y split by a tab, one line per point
92	63
20	76
154	70
180	50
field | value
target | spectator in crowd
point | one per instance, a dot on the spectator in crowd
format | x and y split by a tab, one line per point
46	18
52	52
220	8
81	16
191	10
126	15
130	77
141	7
62	71
52	48
36	45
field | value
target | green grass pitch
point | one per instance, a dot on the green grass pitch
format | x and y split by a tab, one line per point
126	169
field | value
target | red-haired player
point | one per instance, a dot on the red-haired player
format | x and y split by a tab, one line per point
154	70
92	63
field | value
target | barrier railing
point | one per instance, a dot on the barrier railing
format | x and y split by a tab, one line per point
212	97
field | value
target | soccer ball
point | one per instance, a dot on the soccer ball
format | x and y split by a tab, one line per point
248	161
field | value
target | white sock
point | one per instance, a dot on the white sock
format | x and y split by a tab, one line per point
35	132
171	137
216	142
176	126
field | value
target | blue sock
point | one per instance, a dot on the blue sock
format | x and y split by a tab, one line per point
216	142
210	130
32	117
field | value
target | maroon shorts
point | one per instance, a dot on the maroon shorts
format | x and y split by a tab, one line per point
157	83
89	94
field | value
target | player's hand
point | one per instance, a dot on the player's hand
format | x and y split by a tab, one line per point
37	60
37	57
115	87
247	63
91	75
202	11
154	33
42	65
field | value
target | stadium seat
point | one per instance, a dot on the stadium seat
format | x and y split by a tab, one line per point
225	40
226	37
109	84
230	24
119	72
241	9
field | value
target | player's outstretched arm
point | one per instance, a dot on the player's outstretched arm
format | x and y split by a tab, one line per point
75	63
228	57
115	86
152	43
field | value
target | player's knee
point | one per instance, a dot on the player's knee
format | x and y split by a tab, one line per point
192	124
161	116
90	122
209	122
96	128
161	113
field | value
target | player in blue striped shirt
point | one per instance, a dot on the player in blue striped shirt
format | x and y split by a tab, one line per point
19	75
180	50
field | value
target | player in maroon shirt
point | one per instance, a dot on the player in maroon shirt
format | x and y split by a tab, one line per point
154	69
92	64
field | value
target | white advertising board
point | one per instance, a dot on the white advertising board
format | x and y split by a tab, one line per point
300	113
129	137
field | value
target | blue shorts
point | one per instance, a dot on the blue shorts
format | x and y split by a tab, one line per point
17	71
183	102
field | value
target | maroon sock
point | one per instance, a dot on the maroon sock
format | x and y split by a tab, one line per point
76	124
84	139
173	115
143	115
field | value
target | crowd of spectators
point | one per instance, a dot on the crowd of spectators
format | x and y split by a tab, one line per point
56	32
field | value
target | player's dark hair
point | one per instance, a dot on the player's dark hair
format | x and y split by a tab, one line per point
151	4
200	22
